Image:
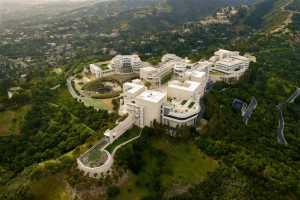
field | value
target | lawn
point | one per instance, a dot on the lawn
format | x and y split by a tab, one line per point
126	136
216	73
104	66
63	97
189	164
94	155
11	120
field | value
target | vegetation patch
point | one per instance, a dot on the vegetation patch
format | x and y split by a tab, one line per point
191	104
125	137
103	88
166	78
11	120
162	166
50	188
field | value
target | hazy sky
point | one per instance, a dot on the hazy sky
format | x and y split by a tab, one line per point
34	1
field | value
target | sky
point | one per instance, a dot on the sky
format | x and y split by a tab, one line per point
36	1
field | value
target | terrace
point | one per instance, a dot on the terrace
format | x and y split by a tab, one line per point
95	157
185	109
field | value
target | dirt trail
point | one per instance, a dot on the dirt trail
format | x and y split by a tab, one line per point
288	20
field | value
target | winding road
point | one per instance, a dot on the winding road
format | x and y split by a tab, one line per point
280	130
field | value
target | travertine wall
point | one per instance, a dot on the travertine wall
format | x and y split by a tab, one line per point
98	171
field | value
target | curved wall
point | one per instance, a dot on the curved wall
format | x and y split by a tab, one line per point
98	171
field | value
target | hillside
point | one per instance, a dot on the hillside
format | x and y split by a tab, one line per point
224	160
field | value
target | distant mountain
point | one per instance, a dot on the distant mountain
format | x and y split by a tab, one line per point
17	10
193	9
175	11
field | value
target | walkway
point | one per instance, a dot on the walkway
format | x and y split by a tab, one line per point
87	101
125	143
120	129
99	171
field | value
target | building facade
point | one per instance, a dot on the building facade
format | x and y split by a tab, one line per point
126	63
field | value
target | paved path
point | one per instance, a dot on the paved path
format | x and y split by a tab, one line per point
107	165
87	101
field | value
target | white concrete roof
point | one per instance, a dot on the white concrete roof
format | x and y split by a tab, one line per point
152	96
203	64
230	61
222	51
133	87
198	74
243	58
148	69
186	85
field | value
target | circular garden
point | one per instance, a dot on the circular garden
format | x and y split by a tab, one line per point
104	88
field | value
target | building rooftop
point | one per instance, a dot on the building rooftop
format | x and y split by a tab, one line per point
186	85
203	64
183	108
230	61
221	51
149	69
152	96
132	88
198	74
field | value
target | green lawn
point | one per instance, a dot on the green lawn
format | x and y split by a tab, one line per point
63	97
94	155
189	164
126	136
104	66
216	73
11	120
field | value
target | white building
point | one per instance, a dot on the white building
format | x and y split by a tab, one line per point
180	113
120	64
126	63
204	66
178	90
98	72
132	90
183	107
180	68
144	105
170	57
222	54
151	101
154	75
230	63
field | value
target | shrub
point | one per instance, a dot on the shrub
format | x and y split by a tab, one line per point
113	191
